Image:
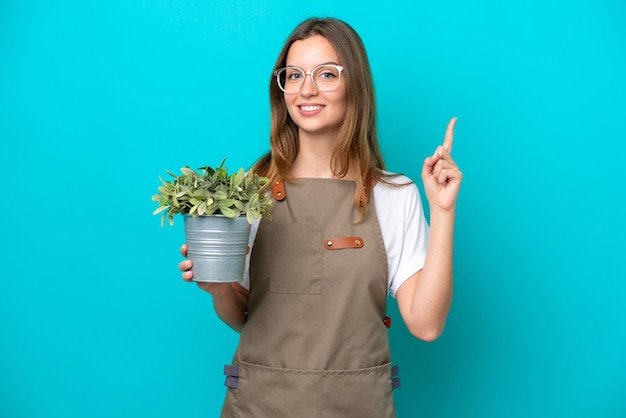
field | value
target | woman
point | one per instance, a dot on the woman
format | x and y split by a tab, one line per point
344	233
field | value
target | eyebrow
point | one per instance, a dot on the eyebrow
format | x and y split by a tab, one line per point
324	63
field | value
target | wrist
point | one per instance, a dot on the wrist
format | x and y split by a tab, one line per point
443	214
216	290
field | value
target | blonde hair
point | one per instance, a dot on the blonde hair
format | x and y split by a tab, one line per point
357	150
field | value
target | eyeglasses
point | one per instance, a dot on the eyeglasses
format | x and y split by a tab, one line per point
325	77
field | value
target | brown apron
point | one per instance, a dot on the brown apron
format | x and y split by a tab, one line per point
315	343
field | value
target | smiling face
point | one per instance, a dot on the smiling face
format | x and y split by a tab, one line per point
315	112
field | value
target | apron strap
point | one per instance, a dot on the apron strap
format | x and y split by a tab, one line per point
395	377
232	376
278	190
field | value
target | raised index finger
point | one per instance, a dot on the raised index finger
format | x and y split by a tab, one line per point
448	139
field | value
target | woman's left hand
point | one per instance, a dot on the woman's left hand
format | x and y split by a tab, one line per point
441	176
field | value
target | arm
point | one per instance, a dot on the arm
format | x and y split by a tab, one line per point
229	299
424	299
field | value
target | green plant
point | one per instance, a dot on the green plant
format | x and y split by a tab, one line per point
213	191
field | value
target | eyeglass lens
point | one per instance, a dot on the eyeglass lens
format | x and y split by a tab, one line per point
325	78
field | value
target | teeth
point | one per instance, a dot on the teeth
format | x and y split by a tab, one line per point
310	108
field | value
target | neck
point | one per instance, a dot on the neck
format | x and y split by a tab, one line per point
314	156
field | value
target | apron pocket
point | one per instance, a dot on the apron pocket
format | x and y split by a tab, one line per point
363	393
277	393
296	260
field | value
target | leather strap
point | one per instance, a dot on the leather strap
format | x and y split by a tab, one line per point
278	190
343	242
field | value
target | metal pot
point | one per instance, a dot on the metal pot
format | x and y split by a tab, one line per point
217	247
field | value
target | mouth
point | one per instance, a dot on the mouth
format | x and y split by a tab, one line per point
311	108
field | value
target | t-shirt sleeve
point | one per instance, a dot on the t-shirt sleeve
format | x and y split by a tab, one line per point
404	229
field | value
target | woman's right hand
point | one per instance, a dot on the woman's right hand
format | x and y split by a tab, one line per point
185	265
215	289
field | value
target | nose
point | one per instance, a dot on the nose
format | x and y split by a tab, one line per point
308	88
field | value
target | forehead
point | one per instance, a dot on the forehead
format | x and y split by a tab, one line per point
312	51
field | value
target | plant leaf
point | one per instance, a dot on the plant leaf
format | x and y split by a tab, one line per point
202	208
228	212
226	203
220	195
160	209
188	172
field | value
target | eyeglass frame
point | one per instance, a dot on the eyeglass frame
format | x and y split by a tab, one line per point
310	74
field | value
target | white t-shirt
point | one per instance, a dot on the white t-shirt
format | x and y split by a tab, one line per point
402	224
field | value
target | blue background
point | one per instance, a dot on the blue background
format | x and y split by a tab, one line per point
98	98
